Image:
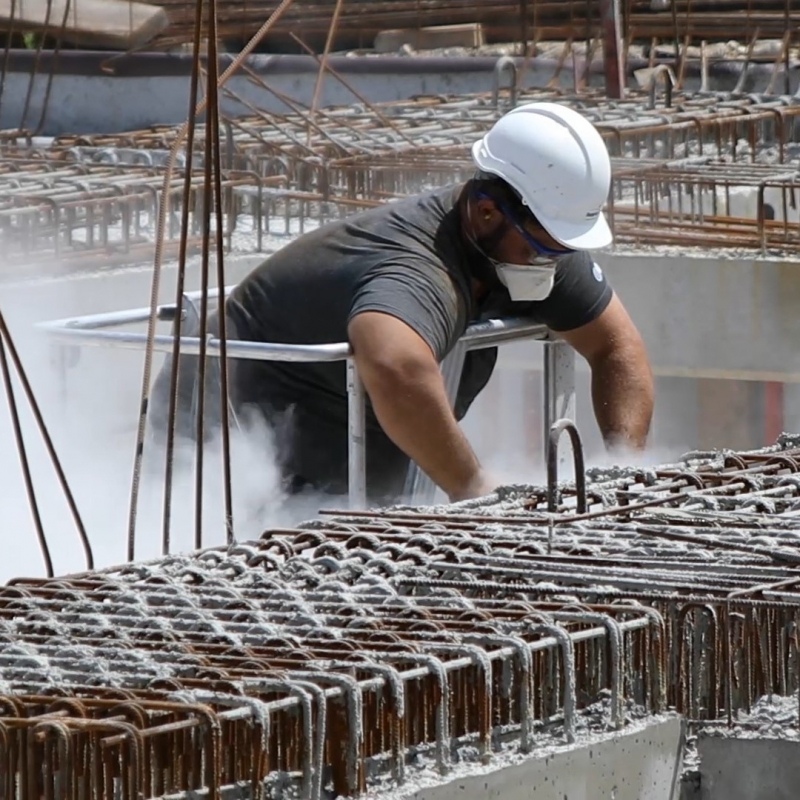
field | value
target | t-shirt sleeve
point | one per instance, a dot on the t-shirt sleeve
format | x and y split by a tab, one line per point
580	294
421	295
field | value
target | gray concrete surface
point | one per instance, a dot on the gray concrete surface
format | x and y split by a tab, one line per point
748	769
640	765
703	318
111	92
700	316
96	101
713	316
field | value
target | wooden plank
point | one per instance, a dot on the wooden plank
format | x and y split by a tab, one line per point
119	24
429	38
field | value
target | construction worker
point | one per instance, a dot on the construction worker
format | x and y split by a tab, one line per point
401	283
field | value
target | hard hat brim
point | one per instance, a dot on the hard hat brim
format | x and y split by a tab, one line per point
594	235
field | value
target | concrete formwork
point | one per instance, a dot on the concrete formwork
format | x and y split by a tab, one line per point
717	330
747	769
730	325
153	89
25	304
636	765
708	315
700	316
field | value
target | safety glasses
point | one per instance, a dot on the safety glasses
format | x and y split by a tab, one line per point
536	246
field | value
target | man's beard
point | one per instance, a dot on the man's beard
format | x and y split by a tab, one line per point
484	267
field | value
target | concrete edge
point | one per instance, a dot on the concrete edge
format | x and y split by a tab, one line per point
643	762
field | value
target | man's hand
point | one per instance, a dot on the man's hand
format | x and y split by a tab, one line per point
622	382
484	485
406	388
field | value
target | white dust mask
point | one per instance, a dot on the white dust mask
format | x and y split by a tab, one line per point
526	283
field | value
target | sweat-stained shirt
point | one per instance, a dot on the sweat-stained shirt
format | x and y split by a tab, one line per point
409	259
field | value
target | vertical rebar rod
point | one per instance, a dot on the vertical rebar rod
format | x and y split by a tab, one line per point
787	53
612	49
156	281
174	371
23	458
6	55
200	386
5	334
328	44
213	113
35	71
54	53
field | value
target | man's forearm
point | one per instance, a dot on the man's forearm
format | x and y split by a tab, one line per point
415	414
623	398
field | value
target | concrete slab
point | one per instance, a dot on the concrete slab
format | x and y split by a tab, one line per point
748	769
710	315
130	92
638	765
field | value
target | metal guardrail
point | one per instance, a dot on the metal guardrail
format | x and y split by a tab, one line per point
559	369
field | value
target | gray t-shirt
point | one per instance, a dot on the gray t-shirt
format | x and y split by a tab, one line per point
408	259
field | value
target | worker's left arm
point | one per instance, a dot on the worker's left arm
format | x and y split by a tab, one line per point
584	311
622	382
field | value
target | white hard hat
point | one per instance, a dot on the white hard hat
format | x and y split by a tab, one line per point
558	164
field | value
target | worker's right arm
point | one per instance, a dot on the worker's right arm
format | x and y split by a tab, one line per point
405	385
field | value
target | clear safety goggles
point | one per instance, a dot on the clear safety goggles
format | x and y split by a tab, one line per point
540	249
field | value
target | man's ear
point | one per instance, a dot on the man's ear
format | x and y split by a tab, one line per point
486	211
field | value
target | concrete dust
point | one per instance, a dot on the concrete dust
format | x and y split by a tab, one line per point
772	716
97	456
91	413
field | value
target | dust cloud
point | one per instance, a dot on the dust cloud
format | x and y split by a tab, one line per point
90	410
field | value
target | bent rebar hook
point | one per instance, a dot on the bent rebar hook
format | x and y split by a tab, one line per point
504	64
556	429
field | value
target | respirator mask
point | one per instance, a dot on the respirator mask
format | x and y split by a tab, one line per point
527	282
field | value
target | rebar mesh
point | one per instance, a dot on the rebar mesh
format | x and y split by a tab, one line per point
336	655
705	171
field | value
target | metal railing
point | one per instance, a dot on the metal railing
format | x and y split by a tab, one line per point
559	369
